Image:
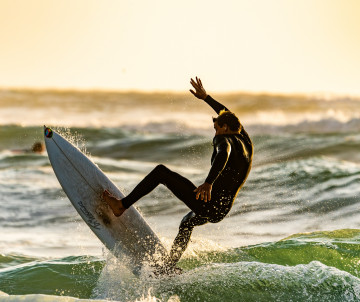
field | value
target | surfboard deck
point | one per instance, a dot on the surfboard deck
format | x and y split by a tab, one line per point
127	236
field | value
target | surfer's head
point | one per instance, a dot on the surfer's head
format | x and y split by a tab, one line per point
226	123
38	147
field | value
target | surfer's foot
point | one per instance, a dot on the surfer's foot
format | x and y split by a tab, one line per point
115	204
168	267
167	271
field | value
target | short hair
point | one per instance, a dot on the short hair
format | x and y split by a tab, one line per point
228	118
37	147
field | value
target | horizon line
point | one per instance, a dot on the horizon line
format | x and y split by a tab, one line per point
177	91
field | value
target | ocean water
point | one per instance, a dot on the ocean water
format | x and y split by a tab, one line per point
293	233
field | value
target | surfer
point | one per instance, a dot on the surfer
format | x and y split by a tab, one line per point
37	147
210	202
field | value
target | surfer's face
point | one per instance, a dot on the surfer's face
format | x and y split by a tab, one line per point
220	130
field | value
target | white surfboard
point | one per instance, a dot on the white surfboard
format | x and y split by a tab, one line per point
84	183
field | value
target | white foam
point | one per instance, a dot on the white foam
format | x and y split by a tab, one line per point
49	298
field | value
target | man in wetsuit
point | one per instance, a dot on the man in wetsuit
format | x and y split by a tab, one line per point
210	202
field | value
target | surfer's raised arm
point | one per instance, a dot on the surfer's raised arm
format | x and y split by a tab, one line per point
201	94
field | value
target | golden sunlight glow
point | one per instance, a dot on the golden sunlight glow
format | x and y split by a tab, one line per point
234	45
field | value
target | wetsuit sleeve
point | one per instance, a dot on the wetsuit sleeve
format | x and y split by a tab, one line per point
223	149
215	104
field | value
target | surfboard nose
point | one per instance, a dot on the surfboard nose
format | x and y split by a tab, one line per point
48	132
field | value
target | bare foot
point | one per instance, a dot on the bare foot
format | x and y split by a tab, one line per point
114	203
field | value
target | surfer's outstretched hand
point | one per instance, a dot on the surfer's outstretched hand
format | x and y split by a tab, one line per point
115	204
204	192
199	92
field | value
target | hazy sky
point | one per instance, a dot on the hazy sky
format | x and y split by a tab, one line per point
240	45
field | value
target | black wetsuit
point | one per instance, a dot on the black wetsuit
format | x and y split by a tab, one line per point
230	166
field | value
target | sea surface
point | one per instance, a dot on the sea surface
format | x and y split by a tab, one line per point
293	233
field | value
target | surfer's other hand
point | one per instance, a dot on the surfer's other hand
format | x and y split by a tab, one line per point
199	92
204	192
105	194
114	203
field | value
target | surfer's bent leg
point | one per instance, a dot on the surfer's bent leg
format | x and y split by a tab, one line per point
177	184
183	237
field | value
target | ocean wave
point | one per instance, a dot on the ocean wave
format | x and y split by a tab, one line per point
291	269
304	125
176	113
46	298
302	267
120	143
251	281
74	276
